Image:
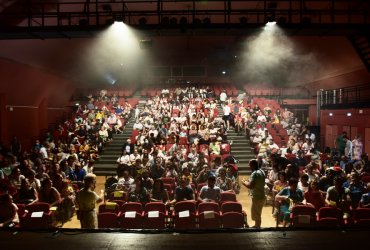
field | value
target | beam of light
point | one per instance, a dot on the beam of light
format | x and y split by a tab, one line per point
271	57
115	56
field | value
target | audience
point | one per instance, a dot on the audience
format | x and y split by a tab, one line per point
178	134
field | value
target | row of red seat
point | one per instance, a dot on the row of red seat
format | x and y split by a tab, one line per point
185	215
273	91
152	91
307	216
126	92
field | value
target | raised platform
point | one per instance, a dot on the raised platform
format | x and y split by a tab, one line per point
245	239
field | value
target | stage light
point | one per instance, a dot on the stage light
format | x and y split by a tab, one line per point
183	21
330	114
173	21
83	22
165	21
118	18
271	23
143	21
306	20
349	114
197	22
224	72
207	21
243	20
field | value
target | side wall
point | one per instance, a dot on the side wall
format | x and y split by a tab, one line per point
333	122
30	99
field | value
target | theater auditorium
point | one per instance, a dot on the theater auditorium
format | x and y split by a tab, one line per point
173	123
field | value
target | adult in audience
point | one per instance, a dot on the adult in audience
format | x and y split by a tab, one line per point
357	148
183	192
48	193
86	201
287	198
314	196
138	192
8	211
365	198
338	196
257	186
159	193
27	194
224	182
210	192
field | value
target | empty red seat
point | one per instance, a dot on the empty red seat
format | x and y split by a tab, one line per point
232	220
303	216
209	220
107	220
227	196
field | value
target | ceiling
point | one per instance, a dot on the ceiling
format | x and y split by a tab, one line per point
49	34
77	18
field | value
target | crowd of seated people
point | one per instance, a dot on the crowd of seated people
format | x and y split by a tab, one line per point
297	171
178	134
52	171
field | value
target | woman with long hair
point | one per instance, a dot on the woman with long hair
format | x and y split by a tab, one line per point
159	193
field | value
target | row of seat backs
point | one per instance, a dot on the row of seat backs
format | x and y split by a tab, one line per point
307	216
191	206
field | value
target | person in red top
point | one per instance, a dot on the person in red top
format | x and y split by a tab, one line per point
314	196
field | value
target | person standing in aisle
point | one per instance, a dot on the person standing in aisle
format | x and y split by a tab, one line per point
86	200
257	186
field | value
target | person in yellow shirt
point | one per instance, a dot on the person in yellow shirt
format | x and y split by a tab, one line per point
86	201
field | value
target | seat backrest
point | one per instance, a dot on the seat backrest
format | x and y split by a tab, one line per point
231	206
185	205
154	222
132	206
304	210
38	207
362	213
303	216
169	180
330	212
107	220
232	220
209	220
155	206
228	196
208	206
110	207
188	222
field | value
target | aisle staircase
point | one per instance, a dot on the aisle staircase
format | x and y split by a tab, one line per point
107	164
240	148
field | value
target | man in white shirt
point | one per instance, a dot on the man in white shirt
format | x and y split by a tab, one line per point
138	125
223	96
210	193
226	117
